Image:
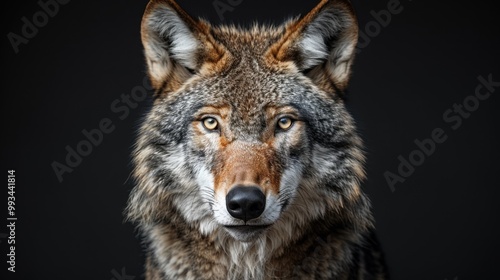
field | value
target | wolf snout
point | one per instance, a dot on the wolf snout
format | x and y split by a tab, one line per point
245	203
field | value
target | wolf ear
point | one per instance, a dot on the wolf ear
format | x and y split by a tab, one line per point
322	43
175	45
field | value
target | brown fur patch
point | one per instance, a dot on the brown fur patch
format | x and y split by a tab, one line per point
247	165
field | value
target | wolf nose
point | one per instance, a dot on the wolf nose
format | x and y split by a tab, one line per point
245	203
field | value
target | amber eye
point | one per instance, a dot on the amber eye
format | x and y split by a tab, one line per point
210	123
285	123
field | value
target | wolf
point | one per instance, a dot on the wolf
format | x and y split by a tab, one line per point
248	165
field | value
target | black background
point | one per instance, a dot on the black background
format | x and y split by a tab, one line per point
440	223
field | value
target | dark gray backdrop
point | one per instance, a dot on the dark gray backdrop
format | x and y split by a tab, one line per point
76	67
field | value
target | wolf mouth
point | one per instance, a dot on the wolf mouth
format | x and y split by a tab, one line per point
247	229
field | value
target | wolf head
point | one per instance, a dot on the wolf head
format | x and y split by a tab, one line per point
248	133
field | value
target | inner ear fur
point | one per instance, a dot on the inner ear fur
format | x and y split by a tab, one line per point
176	46
321	44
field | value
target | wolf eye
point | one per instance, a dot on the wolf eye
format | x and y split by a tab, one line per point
285	123
210	123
